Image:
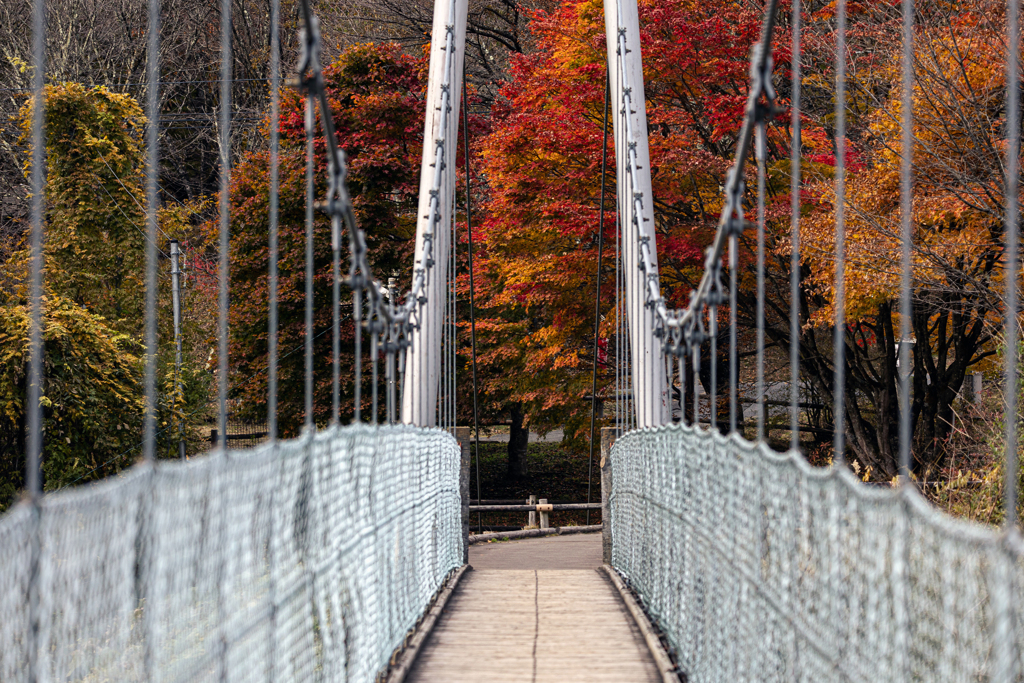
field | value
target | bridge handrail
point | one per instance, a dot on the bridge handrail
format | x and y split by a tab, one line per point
755	561
305	559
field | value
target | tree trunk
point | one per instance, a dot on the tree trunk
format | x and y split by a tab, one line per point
518	438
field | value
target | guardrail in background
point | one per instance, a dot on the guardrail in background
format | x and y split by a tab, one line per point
533	506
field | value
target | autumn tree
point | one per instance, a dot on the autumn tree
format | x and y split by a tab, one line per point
542	162
958	230
376	95
94	237
93	277
92	396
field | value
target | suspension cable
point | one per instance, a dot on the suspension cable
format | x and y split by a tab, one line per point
839	333
794	263
709	292
597	286
384	313
472	295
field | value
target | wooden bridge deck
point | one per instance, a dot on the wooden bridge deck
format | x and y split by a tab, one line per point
536	626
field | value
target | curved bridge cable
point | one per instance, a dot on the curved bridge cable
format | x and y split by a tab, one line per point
709	291
386	319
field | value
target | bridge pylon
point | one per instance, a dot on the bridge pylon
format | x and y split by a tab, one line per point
635	210
436	208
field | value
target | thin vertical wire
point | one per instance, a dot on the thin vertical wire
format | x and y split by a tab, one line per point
696	381
275	169
713	398
1012	248
152	177
450	295
906	207
374	351
310	123
336	324
149	382
33	478
761	153
446	374
225	207
34	417
618	323
357	325
839	337
666	366
597	285
794	259
275	140
225	187
455	306
620	304
444	356
472	290
734	262
681	361
446	342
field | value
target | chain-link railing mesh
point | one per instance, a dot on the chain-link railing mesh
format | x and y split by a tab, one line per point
759	567
308	560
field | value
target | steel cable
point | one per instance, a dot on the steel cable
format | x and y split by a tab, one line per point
472	293
1012	350
794	260
839	331
597	286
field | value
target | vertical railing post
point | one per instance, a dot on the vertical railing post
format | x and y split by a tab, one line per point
608	436
531	517
545	516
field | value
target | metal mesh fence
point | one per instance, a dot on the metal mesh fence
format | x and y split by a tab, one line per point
759	567
305	560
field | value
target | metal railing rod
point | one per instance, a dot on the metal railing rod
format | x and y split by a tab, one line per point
549	507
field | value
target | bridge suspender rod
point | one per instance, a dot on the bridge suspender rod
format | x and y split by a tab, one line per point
1011	386
310	125
152	179
794	260
275	170
275	141
761	155
224	211
597	287
839	331
906	206
33	407
472	289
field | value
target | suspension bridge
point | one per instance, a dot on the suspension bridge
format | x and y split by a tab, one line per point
342	554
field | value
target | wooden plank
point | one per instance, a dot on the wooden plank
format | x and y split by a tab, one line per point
555	626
